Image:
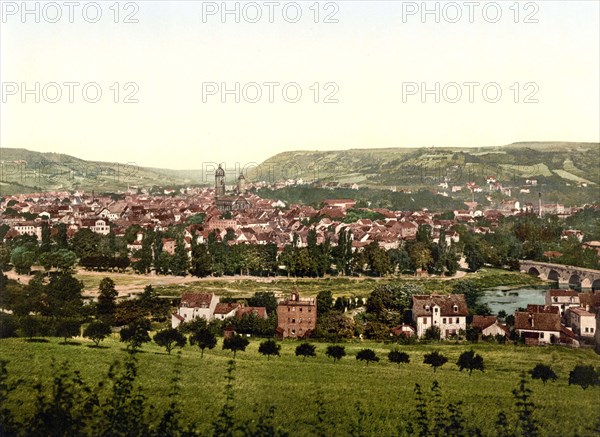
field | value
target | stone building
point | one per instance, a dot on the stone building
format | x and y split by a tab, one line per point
296	317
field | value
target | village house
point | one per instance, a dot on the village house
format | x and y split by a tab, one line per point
194	306
582	322
225	310
539	324
447	312
296	317
562	299
489	325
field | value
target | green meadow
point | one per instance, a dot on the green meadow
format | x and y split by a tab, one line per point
384	390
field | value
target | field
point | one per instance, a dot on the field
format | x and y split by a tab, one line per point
293	386
244	286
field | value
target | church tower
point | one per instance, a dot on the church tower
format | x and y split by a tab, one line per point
241	185
219	182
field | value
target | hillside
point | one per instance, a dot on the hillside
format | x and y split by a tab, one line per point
24	171
562	169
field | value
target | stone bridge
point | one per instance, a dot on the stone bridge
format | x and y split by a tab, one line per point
573	276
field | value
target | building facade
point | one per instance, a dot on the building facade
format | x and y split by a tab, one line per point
296	317
447	312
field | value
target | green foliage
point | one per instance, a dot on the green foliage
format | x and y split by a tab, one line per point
354	215
106	306
235	343
336	352
97	331
584	376
543	372
265	299
470	361
324	302
269	348
136	334
367	355
170	338
398	357
306	350
435	360
204	337
527	422
433	333
22	259
67	328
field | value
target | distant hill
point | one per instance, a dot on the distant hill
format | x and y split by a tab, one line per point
565	172
25	171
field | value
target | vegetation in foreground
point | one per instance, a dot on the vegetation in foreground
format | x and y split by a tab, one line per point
301	397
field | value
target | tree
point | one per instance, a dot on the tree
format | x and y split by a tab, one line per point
86	243
235	343
170	338
585	376
63	297
205	338
398	357
22	259
367	355
336	352
470	361
433	333
324	302
106	306
435	360
473	256
543	372
97	331
136	334
265	299
67	328
268	348
306	350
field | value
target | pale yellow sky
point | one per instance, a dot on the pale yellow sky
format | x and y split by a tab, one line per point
368	57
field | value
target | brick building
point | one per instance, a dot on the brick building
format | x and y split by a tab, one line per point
296	317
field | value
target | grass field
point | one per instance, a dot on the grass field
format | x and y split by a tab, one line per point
384	390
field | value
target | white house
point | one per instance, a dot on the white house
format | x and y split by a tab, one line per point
447	312
562	299
226	310
194	306
489	325
582	322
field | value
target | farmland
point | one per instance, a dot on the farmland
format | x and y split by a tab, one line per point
385	391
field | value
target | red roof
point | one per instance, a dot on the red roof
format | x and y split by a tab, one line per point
196	300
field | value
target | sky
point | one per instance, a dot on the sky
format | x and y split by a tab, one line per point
307	76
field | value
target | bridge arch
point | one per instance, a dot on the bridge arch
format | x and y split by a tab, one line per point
553	275
533	271
595	285
575	281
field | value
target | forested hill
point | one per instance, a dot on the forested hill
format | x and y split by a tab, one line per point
564	172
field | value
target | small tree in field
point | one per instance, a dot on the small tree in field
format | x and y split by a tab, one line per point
367	355
235	343
470	361
435	360
205	338
306	350
543	372
398	357
170	338
136	334
585	376
97	331
268	348
67	328
336	352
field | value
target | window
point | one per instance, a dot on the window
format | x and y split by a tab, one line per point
288	309
293	320
300	309
300	320
309	309
457	320
444	320
426	307
586	330
294	309
424	321
455	308
435	310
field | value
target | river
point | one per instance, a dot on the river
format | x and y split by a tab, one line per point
501	298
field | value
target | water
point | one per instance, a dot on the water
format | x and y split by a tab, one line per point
499	298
